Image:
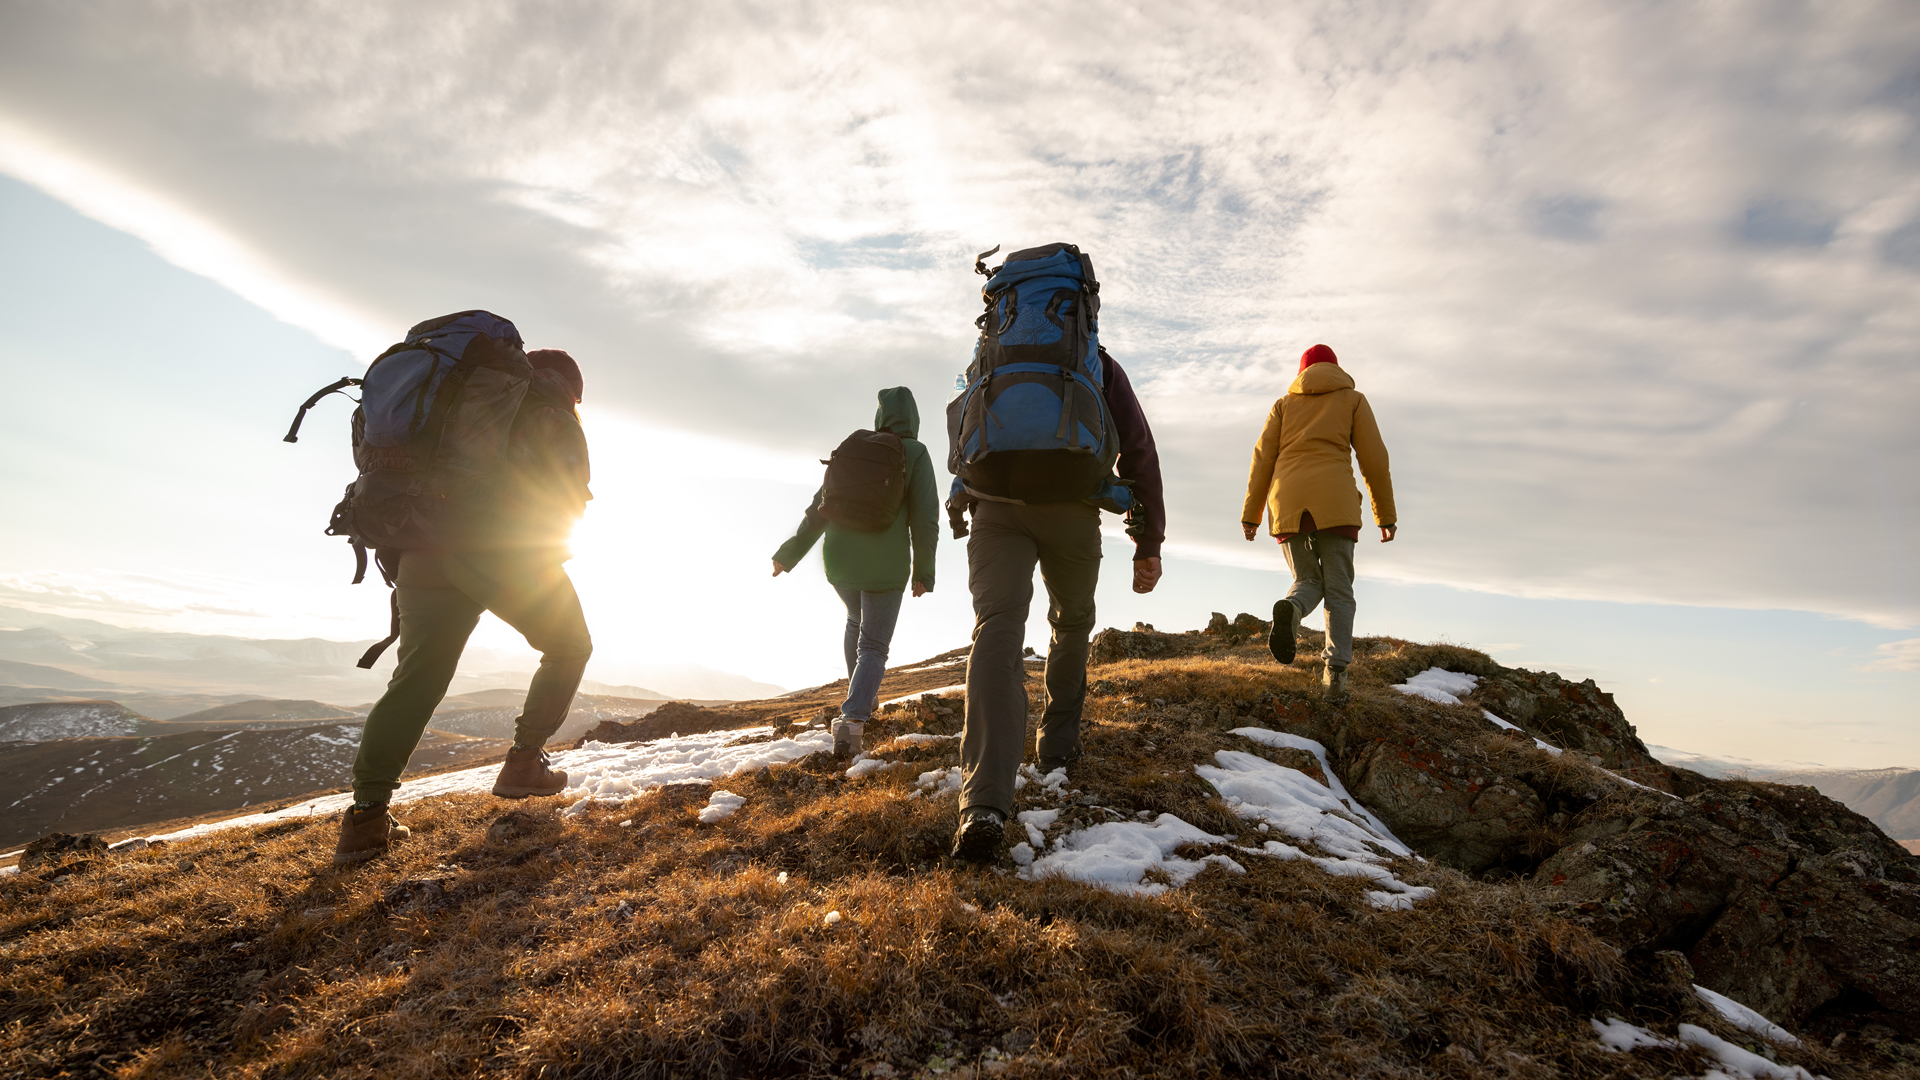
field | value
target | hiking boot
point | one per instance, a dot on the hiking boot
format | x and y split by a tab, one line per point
979	836
1049	763
1281	634
366	833
1334	681
847	738
526	773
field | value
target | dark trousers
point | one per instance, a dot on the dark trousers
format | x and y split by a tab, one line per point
1007	540
441	597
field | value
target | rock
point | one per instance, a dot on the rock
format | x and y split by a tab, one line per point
1243	627
1778	897
673	718
1573	716
60	849
515	825
1111	645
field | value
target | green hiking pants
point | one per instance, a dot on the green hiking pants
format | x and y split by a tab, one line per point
441	598
1007	540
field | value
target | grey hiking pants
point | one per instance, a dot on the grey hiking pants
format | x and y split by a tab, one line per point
441	598
1322	564
1007	540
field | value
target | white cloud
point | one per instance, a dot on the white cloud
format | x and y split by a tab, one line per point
1896	656
1632	290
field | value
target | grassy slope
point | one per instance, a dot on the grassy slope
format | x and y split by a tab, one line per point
638	942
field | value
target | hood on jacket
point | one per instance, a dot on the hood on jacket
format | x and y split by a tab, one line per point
1321	379
898	413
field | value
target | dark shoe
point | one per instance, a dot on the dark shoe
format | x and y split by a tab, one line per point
1334	680
366	833
979	836
848	738
1048	764
1280	634
526	773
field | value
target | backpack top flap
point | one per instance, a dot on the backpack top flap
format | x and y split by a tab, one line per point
402	384
1043	306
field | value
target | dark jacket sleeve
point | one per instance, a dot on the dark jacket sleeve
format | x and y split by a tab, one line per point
923	513
803	539
1139	460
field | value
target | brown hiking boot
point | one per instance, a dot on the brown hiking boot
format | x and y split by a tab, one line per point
366	833
526	773
1334	680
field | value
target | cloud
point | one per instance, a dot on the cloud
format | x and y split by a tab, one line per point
1896	656
1632	290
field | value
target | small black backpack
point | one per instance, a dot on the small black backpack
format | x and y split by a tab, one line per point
866	481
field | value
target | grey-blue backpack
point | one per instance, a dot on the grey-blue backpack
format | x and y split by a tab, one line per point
1031	423
435	415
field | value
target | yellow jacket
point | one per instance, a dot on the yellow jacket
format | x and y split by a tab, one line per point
1303	459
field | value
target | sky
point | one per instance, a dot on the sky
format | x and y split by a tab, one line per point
1631	288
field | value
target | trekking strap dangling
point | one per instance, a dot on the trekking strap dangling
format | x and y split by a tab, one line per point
388	563
293	433
980	261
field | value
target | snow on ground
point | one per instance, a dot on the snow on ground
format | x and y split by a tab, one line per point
596	772
720	806
1744	1018
958	688
1622	1037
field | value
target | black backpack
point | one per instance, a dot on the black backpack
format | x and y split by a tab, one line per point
866	481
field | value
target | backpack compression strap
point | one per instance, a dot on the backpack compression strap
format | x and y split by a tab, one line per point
391	573
293	433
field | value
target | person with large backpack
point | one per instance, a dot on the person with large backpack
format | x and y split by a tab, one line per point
473	470
1045	433
879	507
1301	478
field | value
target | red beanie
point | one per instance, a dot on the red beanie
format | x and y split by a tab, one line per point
558	362
1319	354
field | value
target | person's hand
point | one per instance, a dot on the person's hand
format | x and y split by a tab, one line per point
920	589
1386	533
778	569
1146	574
1250	528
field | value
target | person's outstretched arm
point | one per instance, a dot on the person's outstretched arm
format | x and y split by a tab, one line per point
1266	452
803	539
1372	452
923	518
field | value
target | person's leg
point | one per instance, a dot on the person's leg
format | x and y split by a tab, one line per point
879	612
1069	543
1335	556
850	637
1304	561
1000	560
435	621
532	593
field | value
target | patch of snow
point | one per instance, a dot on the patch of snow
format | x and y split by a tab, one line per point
1119	855
1737	1060
1037	822
595	770
933	667
720	806
1022	854
832	919
1440	685
1292	797
920	738
940	781
1620	1037
917	695
1744	1018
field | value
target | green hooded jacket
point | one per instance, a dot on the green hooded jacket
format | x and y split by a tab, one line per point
885	560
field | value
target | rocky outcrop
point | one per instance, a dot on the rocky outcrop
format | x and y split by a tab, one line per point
673	718
58	851
1573	716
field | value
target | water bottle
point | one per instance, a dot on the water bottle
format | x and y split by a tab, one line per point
959	386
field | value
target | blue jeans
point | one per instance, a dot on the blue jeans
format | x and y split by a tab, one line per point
870	619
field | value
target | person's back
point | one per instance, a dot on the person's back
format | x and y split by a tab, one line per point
1301	477
870	568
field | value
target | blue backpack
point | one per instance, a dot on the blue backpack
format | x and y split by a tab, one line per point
1031	424
435	415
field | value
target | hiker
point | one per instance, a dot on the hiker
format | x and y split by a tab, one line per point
1303	479
880	511
1045	420
502	553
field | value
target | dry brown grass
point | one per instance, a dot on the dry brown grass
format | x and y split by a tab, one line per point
638	942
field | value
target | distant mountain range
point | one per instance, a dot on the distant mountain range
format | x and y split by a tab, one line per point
50	657
1888	797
